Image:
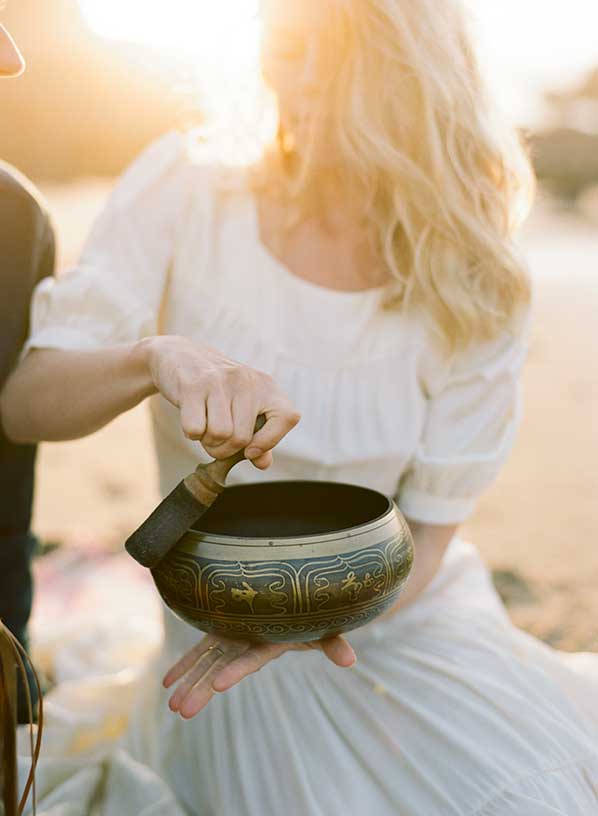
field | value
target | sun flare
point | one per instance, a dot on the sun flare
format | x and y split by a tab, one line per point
527	46
207	31
218	43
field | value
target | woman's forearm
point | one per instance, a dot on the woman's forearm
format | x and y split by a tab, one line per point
430	543
55	395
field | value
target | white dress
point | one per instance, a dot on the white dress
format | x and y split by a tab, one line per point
450	710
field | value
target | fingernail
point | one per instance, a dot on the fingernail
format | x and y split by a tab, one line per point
253	453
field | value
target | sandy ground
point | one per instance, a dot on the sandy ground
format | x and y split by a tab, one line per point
537	526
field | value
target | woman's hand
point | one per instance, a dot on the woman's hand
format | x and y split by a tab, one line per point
220	399
217	663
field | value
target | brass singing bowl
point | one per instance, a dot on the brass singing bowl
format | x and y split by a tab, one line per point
288	561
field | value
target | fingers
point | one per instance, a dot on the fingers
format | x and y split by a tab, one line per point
217	664
339	651
225	427
264	461
188	659
244	414
194	418
207	418
195	689
336	649
248	663
244	411
196	680
220	425
220	399
278	423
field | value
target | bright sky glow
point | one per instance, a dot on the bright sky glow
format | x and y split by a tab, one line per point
211	30
528	44
218	43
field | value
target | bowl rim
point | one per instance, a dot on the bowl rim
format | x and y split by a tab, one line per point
392	511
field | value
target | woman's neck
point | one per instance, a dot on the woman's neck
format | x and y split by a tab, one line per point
336	202
334	247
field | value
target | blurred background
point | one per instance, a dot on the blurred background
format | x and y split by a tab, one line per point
105	77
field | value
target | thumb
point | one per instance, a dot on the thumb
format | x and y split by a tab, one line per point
339	651
263	462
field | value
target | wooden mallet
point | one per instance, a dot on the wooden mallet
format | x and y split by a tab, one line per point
182	508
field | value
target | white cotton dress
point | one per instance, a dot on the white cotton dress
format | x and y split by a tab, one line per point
450	710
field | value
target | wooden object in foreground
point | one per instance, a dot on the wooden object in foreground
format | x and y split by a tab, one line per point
12	657
8	725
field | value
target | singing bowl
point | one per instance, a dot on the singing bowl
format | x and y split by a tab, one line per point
288	561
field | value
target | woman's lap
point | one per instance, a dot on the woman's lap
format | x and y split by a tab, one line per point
449	710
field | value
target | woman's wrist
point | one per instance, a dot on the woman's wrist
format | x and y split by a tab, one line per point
142	365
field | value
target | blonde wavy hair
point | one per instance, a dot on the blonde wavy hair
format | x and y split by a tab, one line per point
446	181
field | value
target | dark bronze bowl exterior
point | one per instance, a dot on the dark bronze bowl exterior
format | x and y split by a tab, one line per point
288	561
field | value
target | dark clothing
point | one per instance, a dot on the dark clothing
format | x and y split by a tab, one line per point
27	254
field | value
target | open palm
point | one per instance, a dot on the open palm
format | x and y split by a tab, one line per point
217	663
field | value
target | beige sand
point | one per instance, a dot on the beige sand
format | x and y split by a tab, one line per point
537	527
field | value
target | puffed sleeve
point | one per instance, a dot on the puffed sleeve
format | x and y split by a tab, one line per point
470	427
114	292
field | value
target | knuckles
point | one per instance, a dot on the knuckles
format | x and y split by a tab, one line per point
193	432
240	441
218	433
227	378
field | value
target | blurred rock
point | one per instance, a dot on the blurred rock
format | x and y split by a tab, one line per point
566	160
566	155
587	204
512	587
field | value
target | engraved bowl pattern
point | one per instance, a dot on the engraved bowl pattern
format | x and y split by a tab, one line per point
276	584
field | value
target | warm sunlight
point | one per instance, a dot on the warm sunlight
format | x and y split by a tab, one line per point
209	31
529	45
218	42
533	45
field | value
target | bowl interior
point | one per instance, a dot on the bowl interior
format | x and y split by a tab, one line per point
291	509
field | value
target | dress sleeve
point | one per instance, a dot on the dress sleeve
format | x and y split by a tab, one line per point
470	427
113	294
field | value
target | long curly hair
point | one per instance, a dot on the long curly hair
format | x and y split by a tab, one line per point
445	179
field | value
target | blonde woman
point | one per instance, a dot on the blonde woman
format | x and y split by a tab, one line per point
363	274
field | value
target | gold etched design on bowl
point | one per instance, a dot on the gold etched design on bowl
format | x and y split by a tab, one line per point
247	594
285	599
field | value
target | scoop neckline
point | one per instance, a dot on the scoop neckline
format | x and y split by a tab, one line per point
323	291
